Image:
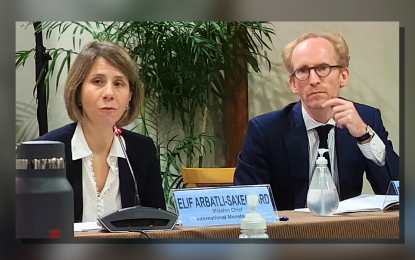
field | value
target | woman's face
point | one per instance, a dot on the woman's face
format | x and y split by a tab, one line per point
105	94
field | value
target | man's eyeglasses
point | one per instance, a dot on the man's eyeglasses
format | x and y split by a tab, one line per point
322	70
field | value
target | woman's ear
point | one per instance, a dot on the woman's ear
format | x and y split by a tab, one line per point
131	94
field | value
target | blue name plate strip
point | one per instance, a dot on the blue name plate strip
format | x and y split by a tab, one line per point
396	183
221	206
393	188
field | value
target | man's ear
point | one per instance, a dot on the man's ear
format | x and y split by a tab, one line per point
344	77
293	87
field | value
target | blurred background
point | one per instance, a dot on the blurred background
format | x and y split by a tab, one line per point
197	107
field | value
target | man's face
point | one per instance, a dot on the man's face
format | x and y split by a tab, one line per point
315	90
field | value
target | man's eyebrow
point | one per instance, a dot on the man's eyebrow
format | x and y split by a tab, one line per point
307	67
303	67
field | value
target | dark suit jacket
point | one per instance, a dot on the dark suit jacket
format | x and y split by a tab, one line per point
276	153
142	155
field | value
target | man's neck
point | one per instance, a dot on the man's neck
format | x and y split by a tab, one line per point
99	139
321	115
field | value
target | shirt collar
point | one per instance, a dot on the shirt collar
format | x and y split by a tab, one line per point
310	123
80	148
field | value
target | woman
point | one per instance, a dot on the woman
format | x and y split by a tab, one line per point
102	91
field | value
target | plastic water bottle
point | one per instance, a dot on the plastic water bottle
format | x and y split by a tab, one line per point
322	196
44	197
253	225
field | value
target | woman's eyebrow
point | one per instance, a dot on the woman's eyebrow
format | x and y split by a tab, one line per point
120	77
97	75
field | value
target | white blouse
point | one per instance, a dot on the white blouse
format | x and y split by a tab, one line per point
97	204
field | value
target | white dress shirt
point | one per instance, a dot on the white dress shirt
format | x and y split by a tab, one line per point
97	204
374	150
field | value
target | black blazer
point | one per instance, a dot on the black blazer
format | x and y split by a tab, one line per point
142	155
276	153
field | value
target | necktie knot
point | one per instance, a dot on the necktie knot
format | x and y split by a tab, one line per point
323	131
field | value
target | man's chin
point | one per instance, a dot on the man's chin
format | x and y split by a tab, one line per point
316	104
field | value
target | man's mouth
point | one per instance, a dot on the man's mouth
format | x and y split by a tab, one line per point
319	92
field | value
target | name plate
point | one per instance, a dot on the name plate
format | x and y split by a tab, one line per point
396	184
393	188
221	206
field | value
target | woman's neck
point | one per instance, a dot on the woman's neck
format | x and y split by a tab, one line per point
98	138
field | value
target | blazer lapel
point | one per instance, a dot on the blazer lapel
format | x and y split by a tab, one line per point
296	143
74	176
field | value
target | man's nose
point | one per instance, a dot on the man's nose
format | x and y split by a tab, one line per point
314	78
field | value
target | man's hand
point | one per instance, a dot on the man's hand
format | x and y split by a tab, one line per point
345	115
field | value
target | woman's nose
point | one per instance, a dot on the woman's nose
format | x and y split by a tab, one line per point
108	92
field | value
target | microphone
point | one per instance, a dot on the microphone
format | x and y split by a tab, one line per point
117	132
136	218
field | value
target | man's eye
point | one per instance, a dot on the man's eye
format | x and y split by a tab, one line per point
303	70
323	67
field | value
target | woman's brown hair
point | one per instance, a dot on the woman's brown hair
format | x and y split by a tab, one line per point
117	57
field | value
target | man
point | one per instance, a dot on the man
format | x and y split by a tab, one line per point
281	146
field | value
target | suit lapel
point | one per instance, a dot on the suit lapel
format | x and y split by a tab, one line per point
296	143
346	158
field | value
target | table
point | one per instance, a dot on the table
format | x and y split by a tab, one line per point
300	225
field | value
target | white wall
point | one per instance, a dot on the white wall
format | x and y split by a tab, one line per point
374	70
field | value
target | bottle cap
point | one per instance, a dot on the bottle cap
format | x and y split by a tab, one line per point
40	155
40	150
321	159
253	220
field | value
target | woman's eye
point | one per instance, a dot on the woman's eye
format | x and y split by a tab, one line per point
97	81
119	83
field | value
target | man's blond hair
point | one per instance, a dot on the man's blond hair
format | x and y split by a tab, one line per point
337	40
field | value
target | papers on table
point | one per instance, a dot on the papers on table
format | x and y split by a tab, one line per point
364	202
86	226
